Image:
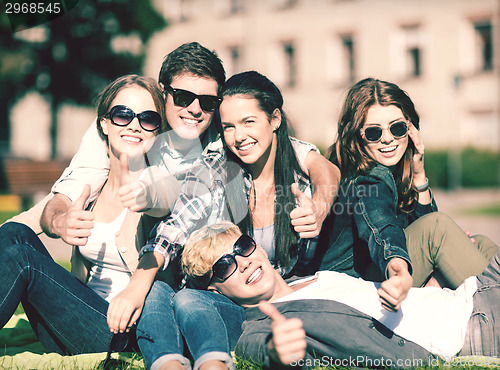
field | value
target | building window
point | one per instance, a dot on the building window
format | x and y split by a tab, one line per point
340	60
233	65
484	41
236	6
177	10
348	56
285	4
290	64
413	51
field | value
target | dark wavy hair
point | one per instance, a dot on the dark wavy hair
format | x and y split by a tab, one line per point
348	151
192	58
254	85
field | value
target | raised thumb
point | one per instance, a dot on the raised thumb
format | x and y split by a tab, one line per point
270	310
82	200
300	196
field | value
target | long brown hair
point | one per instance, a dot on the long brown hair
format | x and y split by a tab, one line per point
348	151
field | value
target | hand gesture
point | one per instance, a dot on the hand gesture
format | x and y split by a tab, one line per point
288	342
124	310
74	225
418	157
304	216
132	194
394	290
469	235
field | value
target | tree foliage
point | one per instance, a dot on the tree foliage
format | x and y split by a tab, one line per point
77	54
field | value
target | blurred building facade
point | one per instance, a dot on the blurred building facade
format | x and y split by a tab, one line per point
444	53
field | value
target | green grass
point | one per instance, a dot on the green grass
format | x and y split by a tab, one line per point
489	210
5	215
242	364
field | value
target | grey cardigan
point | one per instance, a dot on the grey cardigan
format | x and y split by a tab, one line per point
336	334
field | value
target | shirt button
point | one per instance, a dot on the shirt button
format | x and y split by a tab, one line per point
372	326
123	249
401	342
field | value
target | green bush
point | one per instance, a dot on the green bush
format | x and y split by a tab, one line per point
479	168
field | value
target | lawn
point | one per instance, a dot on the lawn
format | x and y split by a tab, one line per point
489	210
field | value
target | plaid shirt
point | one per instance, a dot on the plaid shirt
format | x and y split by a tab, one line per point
215	189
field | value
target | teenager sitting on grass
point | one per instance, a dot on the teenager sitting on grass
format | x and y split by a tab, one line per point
336	316
68	312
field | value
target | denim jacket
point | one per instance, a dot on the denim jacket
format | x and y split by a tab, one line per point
367	225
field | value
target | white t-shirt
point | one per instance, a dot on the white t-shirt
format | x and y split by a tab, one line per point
109	274
434	318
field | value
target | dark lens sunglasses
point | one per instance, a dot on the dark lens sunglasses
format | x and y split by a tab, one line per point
225	266
397	129
123	342
122	115
184	98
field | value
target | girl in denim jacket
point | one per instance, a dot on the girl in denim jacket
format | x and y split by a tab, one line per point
385	220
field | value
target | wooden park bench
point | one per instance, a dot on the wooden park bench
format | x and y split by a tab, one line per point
26	178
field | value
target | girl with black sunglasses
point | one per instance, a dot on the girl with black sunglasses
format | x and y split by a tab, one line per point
385	220
68	311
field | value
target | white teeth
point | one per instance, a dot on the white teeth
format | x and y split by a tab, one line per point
388	149
254	276
246	146
132	139
189	121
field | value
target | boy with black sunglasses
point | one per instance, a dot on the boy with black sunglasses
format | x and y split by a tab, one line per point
334	319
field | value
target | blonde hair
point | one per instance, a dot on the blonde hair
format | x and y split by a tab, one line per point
202	249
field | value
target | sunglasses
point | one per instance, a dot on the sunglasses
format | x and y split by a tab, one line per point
225	266
184	98
121	115
397	129
122	342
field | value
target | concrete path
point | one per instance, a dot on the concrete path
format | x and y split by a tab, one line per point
453	203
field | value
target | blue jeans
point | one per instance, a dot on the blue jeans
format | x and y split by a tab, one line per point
67	316
210	323
158	336
483	331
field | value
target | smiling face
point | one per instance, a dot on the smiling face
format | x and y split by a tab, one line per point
248	132
389	150
254	279
130	139
190	122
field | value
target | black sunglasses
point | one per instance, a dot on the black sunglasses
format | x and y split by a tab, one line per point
184	98
122	115
122	342
225	266
397	129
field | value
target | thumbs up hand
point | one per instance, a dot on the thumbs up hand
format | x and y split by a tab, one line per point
393	291
74	225
288	343
304	216
132	193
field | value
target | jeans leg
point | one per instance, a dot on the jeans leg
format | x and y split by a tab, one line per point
210	322
66	315
158	335
483	331
435	241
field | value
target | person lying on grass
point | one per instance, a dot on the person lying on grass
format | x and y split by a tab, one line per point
338	317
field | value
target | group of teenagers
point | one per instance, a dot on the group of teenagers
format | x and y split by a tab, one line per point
199	227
